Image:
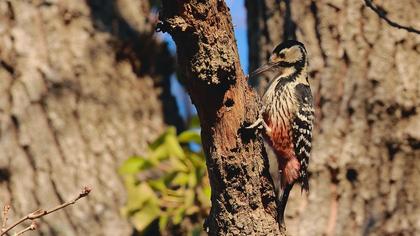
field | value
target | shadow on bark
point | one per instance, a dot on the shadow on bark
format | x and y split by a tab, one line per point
147	56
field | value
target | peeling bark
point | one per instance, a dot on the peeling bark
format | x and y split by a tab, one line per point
365	161
243	201
79	93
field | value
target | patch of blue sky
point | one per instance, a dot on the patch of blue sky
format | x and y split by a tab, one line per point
238	12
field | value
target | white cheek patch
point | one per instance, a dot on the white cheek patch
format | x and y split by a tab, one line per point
294	54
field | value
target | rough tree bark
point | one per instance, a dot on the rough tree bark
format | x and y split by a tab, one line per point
82	88
243	201
365	162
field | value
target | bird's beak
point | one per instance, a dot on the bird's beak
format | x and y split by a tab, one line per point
262	69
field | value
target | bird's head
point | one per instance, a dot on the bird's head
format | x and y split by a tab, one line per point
289	54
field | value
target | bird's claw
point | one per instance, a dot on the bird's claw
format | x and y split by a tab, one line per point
260	124
257	124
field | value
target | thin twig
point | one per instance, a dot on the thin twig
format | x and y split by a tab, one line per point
31	227
40	212
382	14
6	209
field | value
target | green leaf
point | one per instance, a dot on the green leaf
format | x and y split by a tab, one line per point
189	136
131	166
207	191
203	196
192	179
200	174
163	222
124	211
158	184
179	189
137	196
170	131
158	154
181	179
173	147
178	215
189	198
194	122
172	202
159	141
147	215
178	165
179	193
198	160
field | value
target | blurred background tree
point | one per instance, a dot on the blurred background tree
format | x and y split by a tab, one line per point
365	162
84	85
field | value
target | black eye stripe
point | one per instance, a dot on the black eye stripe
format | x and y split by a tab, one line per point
281	55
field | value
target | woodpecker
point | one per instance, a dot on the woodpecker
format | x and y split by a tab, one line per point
287	116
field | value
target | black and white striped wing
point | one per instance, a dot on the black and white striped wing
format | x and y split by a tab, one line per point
302	131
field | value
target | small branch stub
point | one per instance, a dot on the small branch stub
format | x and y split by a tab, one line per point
31	227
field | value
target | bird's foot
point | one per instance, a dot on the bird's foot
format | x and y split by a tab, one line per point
260	124
257	124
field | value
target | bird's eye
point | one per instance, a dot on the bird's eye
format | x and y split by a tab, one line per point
281	55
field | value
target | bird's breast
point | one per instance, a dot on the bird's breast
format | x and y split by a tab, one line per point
278	115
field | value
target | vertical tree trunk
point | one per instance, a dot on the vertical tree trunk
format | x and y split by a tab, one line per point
365	162
81	89
242	191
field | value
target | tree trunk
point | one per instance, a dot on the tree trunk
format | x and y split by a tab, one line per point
243	201
365	162
82	89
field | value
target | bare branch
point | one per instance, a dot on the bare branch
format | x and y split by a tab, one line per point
40	212
31	227
382	14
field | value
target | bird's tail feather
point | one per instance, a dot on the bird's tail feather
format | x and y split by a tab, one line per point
282	199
